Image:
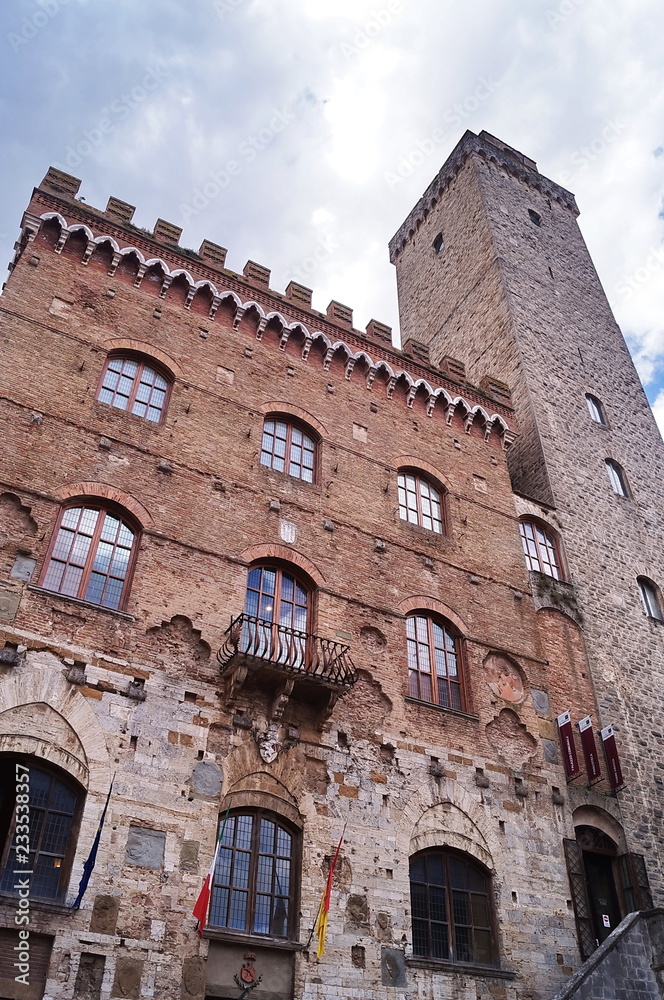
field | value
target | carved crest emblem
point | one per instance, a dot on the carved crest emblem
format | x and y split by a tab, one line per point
271	743
248	979
248	973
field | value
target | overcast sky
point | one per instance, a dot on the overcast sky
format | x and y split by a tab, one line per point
298	133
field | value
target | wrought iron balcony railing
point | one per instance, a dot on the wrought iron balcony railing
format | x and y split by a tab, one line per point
287	649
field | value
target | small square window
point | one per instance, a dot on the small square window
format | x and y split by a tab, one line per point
535	217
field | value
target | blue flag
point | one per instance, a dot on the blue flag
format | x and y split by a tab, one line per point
92	856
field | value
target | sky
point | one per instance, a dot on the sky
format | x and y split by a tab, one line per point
300	133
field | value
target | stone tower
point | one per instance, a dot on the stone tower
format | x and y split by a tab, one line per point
492	268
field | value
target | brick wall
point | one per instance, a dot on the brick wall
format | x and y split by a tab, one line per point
141	691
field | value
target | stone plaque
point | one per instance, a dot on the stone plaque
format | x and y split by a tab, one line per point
393	967
127	982
104	914
8	604
23	568
145	847
206	778
189	856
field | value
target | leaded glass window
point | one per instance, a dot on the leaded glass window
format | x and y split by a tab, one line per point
91	556
253	888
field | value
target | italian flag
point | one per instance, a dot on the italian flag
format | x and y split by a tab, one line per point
202	904
324	908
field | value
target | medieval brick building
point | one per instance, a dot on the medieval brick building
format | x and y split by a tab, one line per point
265	576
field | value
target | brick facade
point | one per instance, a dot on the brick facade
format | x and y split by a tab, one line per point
137	694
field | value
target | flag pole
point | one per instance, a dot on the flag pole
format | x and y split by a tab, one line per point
202	904
320	925
92	856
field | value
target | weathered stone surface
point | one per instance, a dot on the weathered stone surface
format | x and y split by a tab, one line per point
393	967
189	856
127	981
23	568
104	914
89	976
193	978
206	778
9	601
145	847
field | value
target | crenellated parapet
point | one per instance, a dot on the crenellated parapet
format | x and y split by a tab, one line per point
491	151
204	286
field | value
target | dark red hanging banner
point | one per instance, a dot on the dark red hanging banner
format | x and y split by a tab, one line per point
570	758
589	749
612	761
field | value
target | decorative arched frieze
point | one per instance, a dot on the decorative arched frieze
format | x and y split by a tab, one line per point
422	602
107	492
274	550
434	394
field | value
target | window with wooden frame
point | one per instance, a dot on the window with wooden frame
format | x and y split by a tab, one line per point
48	803
91	555
617	478
650	598
420	502
434	662
451	910
281	604
289	447
136	385
540	549
254	886
595	409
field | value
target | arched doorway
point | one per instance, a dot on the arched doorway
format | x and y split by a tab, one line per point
599	861
607	881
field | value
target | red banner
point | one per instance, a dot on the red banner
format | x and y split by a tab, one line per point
589	749
612	761
570	758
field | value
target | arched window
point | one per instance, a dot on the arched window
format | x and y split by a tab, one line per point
451	908
434	662
617	478
91	555
595	409
44	804
540	549
287	447
253	888
280	605
650	598
420	502
135	385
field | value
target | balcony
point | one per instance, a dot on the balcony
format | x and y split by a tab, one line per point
288	661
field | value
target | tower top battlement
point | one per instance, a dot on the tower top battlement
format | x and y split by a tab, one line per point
490	149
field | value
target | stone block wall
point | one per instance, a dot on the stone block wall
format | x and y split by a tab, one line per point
514	294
